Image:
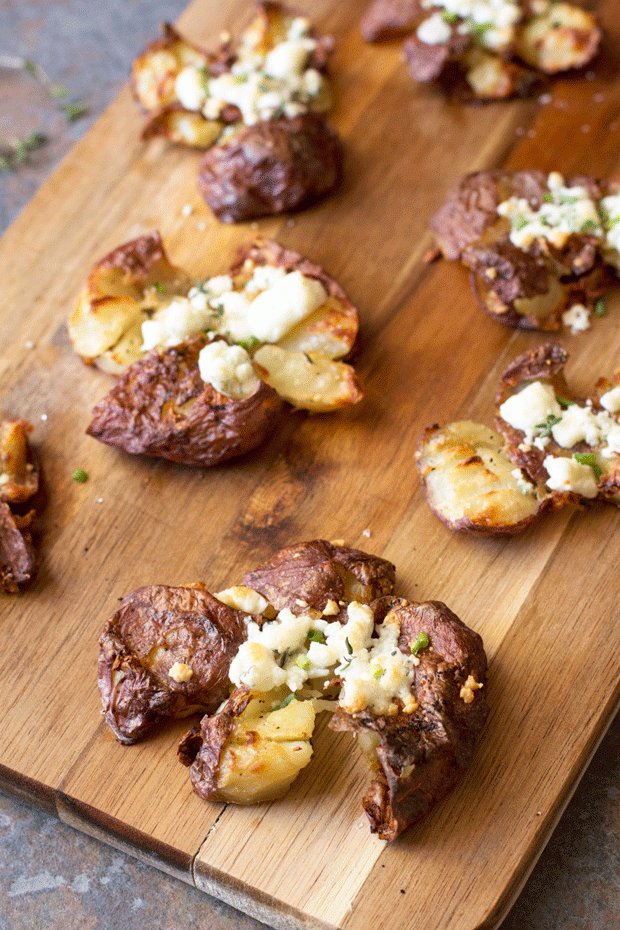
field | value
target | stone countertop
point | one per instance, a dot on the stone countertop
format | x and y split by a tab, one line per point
78	882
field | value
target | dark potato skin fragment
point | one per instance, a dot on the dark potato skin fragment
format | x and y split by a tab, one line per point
19	502
154	628
161	407
201	748
388	19
271	167
318	571
437	739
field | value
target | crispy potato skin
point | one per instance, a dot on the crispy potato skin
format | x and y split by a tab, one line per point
388	19
438	739
162	407
271	167
526	289
19	502
318	571
153	628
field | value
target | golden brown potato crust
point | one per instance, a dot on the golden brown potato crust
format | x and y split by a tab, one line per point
271	167
422	755
153	629
162	407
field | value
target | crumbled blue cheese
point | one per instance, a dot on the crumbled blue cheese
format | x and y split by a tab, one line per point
564	212
270	303
491	22
610	212
610	400
577	317
228	368
528	409
581	424
567	474
525	486
375	673
262	85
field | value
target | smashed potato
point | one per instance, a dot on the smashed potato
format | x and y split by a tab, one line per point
19	486
541	250
256	105
483	51
315	628
207	371
555	448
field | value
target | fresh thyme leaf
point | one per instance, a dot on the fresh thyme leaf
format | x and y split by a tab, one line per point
74	111
159	287
563	402
589	226
287	700
80	475
520	223
546	427
421	642
249	344
316	636
599	307
378	673
348	645
449	18
547	197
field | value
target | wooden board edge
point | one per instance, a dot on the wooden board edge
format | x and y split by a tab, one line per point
253	902
504	905
27	789
126	839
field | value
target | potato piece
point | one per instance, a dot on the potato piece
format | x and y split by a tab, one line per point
185	127
561	38
420	757
155	71
262	754
165	654
470	482
162	407
133	277
323	576
19	486
271	167
19	475
308	379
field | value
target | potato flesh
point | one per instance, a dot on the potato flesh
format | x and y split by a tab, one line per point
559	39
469	479
308	380
266	751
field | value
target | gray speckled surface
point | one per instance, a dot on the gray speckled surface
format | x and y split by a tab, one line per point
54	878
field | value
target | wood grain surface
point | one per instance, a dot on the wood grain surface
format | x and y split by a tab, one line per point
546	603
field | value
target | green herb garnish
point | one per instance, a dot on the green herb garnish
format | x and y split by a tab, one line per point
378	673
159	287
348	645
249	344
589	458
421	642
74	111
218	311
478	29
17	154
303	662
547	197
449	18
316	636
599	307
563	402
546	427
589	226
520	223
80	475
287	700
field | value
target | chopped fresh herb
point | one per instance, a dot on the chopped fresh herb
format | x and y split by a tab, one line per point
205	77
73	111
159	287
588	458
478	29
80	475
520	222
589	226
316	636
599	307
343	668
303	662
17	154
449	17
563	402
249	344
547	197
31	68
421	642
348	645
546	427
287	700
378	673
218	311
57	92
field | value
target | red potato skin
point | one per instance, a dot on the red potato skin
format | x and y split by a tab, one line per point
316	572
161	407
20	501
389	19
272	167
189	623
438	739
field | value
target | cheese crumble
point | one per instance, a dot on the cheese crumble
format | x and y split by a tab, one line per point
262	85
490	22
180	672
294	649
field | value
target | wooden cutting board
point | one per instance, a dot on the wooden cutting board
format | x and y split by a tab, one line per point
546	602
